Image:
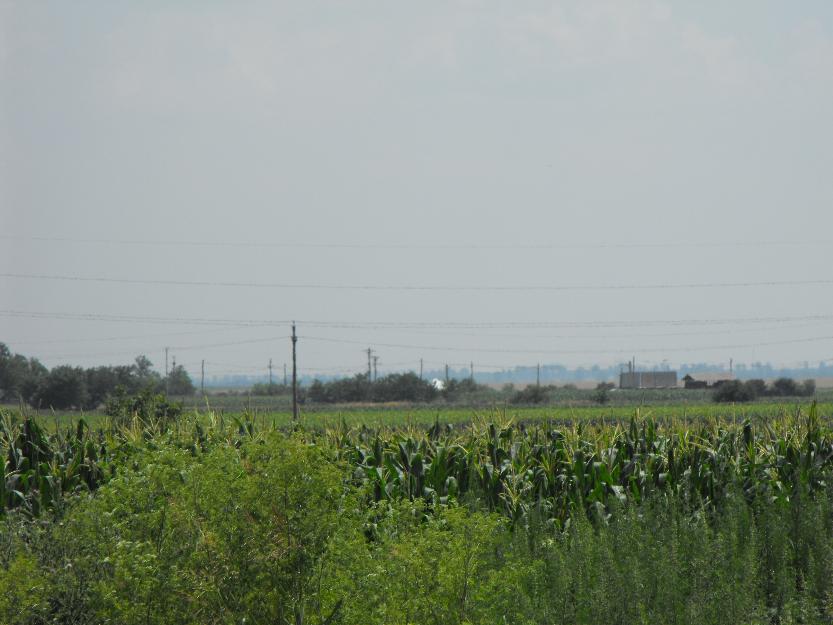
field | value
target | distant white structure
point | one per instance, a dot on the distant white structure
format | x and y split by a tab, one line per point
646	379
438	384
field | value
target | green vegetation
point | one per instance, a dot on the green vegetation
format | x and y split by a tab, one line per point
27	381
156	516
737	391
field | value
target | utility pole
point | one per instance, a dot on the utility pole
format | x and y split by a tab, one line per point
369	365
202	378
270	373
471	371
173	364
446	374
375	370
294	376
284	374
420	368
167	385
538	376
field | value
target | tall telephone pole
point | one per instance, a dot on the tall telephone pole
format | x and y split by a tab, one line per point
446	374
294	376
284	374
538	376
202	378
167	385
369	364
420	368
471	371
375	369
270	372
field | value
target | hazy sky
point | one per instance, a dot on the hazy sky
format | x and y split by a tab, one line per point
492	144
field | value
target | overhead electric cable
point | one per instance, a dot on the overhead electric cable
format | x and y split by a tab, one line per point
371	325
420	245
459	288
556	350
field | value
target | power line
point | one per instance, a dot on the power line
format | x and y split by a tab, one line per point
277	338
573	351
459	288
121	338
373	325
141	319
179	348
421	245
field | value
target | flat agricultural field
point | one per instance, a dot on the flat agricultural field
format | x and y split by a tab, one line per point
401	416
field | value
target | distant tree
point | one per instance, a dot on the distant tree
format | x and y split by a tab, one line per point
532	394
352	389
602	393
733	391
19	376
62	388
757	387
785	387
270	389
146	405
179	382
808	388
142	376
101	383
402	387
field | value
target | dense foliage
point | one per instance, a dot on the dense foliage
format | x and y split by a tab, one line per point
392	387
750	390
66	387
198	520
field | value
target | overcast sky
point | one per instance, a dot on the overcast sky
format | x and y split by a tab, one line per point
489	144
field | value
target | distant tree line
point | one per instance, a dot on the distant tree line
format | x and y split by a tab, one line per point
406	387
392	387
64	387
750	390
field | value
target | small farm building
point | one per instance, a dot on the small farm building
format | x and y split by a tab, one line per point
648	379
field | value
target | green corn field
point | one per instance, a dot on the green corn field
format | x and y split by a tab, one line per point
231	518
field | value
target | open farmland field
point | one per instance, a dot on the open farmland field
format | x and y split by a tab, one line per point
600	515
401	415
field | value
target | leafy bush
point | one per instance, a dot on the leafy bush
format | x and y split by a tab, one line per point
494	524
271	389
531	394
146	405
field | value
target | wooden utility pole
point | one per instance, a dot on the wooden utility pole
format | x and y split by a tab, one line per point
471	371
284	374
420	368
270	372
375	369
202	378
538	376
294	375
167	385
446	374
